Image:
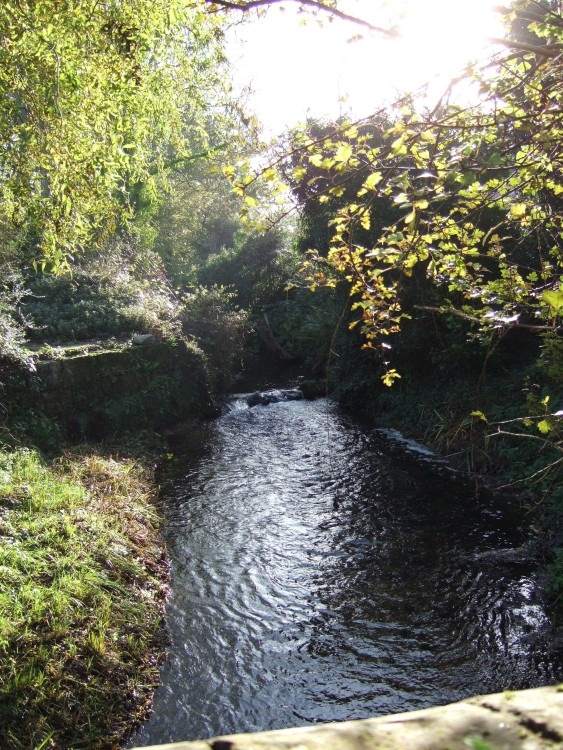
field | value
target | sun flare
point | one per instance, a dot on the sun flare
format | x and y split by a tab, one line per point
299	69
436	39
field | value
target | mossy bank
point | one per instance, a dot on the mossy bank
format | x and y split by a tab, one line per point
83	568
94	390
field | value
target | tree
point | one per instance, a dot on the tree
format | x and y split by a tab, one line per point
96	98
479	188
96	104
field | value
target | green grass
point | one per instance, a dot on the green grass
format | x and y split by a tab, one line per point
82	590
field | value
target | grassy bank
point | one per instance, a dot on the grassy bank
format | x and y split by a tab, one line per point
82	592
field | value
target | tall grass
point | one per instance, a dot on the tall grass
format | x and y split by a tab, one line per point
82	590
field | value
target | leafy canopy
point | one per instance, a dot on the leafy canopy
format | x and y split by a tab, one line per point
478	187
94	99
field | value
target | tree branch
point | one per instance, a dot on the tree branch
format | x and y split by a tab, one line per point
481	321
550	50
246	5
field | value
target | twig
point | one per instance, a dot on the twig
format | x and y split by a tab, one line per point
315	4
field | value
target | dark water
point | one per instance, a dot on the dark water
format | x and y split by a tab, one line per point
322	571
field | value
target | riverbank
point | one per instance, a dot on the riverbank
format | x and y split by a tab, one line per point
476	424
85	580
83	566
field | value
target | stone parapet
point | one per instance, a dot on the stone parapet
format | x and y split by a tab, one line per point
95	394
524	720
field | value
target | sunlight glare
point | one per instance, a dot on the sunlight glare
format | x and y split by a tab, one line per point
301	69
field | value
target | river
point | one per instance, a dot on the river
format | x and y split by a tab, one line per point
323	571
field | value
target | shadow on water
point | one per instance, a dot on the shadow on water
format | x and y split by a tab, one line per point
323	571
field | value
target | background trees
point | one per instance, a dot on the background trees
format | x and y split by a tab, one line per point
97	98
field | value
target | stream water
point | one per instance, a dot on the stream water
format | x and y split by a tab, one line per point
324	571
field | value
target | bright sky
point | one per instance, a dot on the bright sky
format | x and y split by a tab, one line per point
298	69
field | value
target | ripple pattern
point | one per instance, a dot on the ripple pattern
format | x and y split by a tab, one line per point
320	573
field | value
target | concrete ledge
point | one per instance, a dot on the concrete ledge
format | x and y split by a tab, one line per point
524	720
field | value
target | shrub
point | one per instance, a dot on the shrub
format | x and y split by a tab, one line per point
14	355
122	289
210	316
258	268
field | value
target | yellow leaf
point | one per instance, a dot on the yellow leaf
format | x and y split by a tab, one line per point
480	415
544	427
398	146
390	377
343	152
372	180
518	210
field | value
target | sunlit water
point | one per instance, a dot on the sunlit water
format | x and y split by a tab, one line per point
323	571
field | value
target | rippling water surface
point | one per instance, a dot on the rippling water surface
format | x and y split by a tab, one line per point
321	571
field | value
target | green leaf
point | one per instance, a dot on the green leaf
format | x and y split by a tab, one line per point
476	743
398	146
480	415
372	180
468	178
554	299
544	427
343	153
494	160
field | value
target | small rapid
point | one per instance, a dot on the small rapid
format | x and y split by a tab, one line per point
324	571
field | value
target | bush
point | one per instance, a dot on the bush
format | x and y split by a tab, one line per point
257	268
14	355
210	316
120	290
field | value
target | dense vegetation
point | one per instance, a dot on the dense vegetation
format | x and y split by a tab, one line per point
418	276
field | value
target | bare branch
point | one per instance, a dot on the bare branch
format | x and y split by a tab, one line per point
475	319
550	50
246	5
538	473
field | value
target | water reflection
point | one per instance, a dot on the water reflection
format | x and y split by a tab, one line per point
322	572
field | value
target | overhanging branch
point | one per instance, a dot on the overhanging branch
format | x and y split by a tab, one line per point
481	321
247	5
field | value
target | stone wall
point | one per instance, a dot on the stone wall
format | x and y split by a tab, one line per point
525	720
96	393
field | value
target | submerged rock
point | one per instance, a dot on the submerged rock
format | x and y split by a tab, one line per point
524	555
